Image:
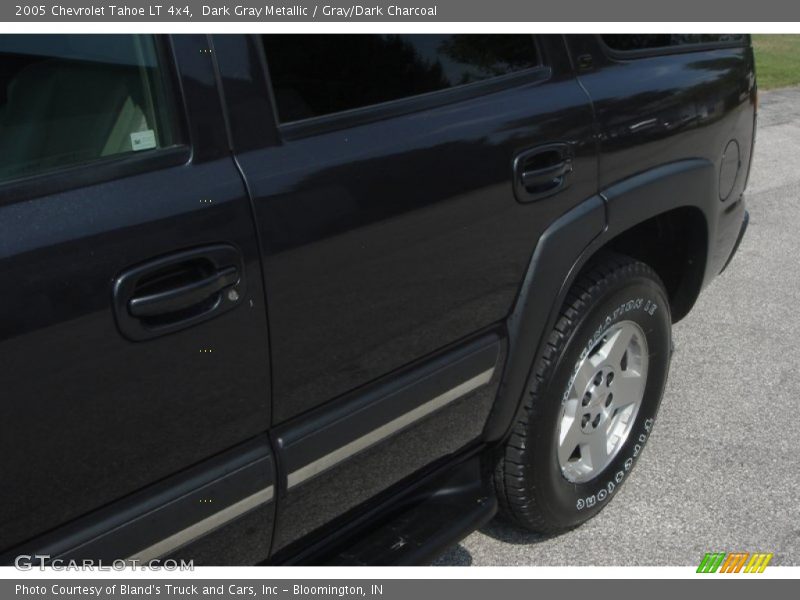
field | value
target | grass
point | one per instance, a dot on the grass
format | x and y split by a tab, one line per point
777	60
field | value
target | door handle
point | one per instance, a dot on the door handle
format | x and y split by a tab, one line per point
178	290
542	171
547	175
184	296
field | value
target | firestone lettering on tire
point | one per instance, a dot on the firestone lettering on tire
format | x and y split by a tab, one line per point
610	486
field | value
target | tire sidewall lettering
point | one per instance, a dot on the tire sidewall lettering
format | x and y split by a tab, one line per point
614	480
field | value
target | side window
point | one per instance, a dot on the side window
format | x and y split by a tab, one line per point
651	42
314	75
67	100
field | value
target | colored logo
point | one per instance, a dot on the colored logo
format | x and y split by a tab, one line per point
734	562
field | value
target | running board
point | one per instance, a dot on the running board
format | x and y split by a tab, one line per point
448	510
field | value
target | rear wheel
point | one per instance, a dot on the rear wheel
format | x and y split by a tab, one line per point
591	400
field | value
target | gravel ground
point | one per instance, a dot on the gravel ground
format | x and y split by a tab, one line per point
719	471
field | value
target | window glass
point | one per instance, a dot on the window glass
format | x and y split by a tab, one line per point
315	75
626	43
72	99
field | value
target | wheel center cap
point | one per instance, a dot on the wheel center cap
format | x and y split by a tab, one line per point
597	399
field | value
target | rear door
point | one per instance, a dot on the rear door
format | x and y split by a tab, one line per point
399	193
133	339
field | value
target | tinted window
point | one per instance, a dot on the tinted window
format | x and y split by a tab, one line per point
315	75
72	99
627	43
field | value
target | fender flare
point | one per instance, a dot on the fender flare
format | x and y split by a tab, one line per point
570	242
557	253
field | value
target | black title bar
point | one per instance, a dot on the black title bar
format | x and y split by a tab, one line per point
408	11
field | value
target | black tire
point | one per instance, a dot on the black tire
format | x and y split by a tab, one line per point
531	488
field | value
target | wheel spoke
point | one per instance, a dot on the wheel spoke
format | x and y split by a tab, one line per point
616	346
571	436
597	447
571	407
628	389
584	375
610	426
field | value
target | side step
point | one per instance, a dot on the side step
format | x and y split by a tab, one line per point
445	511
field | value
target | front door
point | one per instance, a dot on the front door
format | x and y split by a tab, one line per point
133	339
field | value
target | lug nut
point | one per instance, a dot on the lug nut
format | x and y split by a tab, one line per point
587	397
596	421
609	378
598	379
584	420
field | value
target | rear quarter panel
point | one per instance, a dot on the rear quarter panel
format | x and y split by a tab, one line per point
681	107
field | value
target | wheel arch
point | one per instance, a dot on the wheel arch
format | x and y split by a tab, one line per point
674	244
645	216
666	217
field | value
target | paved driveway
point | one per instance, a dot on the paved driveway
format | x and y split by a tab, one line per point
721	471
